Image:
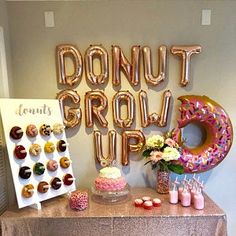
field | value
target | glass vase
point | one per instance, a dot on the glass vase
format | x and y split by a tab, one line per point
163	181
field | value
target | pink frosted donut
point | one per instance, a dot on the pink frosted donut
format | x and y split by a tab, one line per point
52	165
31	130
107	184
210	115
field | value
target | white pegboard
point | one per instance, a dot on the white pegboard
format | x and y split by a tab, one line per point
22	112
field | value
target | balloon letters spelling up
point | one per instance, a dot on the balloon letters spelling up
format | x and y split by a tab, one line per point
185	52
127	146
105	161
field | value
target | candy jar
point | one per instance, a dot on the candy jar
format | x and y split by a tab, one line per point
78	200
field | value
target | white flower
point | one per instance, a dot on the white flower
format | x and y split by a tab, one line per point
156	141
170	154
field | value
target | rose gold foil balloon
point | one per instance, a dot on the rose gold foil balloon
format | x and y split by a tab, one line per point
128	98
72	52
95	103
154	118
72	116
96	51
147	65
185	52
127	147
131	70
105	161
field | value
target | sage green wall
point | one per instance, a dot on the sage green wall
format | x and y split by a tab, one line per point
127	23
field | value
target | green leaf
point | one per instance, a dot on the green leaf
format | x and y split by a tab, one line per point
147	152
178	169
147	163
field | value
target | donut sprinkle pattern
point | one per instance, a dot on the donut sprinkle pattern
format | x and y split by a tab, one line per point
209	114
45	130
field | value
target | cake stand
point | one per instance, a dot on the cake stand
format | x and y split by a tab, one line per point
111	197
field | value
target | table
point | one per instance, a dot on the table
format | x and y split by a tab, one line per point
56	218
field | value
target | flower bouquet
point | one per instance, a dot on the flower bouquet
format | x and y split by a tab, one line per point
163	153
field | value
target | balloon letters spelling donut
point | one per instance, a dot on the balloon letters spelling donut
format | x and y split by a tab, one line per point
210	115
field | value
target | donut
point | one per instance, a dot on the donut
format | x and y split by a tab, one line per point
35	149
52	165
49	147
20	152
61	146
65	162
28	191
25	172
31	131
68	179
39	168
56	183
213	118
43	187
16	132
57	128
45	130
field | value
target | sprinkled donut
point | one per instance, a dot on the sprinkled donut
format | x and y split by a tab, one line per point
28	191
16	132
20	152
45	130
209	114
49	147
35	149
31	131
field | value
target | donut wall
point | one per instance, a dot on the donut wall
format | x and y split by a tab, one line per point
37	148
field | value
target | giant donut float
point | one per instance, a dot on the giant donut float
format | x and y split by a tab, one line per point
211	116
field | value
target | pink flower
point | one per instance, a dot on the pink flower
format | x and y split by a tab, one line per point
170	142
156	156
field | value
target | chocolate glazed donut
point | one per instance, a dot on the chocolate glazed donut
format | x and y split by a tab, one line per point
25	172
16	132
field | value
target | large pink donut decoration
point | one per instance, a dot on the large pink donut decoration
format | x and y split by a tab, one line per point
210	115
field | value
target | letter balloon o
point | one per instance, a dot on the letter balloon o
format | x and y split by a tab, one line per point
214	119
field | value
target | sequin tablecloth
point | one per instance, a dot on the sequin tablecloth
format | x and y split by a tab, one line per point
56	218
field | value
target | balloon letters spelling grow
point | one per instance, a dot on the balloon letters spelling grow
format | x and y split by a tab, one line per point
72	116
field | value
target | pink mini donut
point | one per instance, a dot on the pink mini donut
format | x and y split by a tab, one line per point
52	165
31	131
